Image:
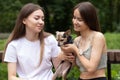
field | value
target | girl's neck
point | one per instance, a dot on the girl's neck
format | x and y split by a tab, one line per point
31	36
86	34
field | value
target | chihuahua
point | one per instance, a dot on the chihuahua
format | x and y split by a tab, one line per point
65	66
64	37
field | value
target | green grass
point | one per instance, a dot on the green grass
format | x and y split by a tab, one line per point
3	71
2	44
115	69
112	40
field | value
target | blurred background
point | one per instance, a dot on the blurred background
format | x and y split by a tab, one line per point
58	17
58	13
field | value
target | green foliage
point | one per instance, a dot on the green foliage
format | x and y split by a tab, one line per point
9	11
73	74
2	44
8	14
111	8
3	71
115	68
58	13
113	40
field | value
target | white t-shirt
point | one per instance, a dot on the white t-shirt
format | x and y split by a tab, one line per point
27	56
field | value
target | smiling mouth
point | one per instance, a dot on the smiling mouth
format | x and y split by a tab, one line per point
76	26
40	27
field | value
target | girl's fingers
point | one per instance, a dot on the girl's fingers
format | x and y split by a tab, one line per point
70	58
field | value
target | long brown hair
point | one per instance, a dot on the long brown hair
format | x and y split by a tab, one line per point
19	29
89	15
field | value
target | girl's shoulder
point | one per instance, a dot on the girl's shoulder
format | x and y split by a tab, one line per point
99	35
50	39
16	42
77	39
47	34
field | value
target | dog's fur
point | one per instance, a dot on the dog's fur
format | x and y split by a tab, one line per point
65	66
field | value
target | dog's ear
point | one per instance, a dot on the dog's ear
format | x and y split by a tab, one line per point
68	32
57	34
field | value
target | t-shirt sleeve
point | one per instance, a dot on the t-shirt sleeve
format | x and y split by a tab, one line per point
55	48
10	54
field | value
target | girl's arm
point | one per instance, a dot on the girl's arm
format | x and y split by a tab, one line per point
12	71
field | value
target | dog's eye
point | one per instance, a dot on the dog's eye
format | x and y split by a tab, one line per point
61	40
64	36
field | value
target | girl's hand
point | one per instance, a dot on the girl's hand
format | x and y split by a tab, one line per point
69	57
69	48
66	56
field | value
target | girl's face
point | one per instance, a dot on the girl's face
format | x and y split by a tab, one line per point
78	22
34	22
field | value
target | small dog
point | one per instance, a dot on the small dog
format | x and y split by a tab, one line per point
64	37
65	66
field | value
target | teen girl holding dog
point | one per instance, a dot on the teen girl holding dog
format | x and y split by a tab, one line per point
90	45
30	51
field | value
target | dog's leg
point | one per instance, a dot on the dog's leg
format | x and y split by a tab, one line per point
66	67
58	71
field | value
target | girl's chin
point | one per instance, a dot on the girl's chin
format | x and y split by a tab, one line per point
75	29
38	31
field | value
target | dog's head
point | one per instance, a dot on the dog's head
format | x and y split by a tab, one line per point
63	37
